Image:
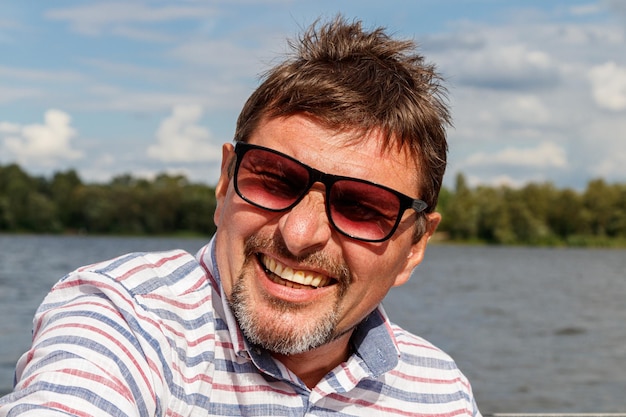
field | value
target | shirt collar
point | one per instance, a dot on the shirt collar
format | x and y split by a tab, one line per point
374	342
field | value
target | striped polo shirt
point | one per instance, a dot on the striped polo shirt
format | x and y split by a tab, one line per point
150	334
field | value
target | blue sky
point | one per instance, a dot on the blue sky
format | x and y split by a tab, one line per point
537	87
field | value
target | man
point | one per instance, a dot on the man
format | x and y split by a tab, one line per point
325	202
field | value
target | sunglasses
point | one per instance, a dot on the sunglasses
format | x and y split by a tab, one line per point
359	209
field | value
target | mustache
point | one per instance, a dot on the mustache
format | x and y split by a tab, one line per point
315	260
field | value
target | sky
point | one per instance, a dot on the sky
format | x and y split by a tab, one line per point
537	88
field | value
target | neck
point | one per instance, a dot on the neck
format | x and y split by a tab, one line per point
313	365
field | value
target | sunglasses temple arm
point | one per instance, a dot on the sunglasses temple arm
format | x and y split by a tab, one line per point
419	205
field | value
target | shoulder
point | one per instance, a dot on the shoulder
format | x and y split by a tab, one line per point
143	272
150	281
415	349
422	362
174	272
427	377
154	297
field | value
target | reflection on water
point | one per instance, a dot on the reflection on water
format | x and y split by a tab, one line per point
535	330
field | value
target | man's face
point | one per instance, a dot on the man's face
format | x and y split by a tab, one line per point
259	251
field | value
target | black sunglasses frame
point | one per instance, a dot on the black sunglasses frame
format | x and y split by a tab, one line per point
406	202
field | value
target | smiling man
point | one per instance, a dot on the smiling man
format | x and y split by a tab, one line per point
325	202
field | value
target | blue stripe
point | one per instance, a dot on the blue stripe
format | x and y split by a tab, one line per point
83	393
410	396
427	362
106	267
104	351
100	318
170	315
148	286
46	306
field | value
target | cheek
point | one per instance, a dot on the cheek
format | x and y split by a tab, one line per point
233	228
234	214
374	272
237	222
379	261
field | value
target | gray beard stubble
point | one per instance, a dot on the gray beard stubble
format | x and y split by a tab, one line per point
274	334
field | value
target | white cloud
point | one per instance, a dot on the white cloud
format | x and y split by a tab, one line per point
612	167
209	53
525	110
9	95
41	143
497	181
95	18
6	127
141	35
37	75
544	155
586	9
507	66
608	83
181	139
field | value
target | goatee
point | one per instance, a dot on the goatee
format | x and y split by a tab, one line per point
282	328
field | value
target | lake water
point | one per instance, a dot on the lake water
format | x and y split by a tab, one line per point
535	329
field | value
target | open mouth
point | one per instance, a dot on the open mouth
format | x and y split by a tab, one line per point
284	275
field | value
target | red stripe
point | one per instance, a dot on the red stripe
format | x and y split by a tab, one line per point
231	387
413	378
199	283
420	345
190	343
170	413
351	377
143	266
117	343
251	388
101	285
70	410
197	377
113	383
178	304
362	403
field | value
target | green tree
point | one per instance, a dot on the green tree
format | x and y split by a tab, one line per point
494	222
16	188
197	208
40	215
97	214
461	212
566	215
63	189
527	228
600	200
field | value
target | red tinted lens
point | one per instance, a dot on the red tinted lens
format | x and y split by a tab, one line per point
363	210
270	180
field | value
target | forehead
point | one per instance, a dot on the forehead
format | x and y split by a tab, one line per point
348	153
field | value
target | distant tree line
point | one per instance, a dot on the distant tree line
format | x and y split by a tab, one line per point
126	205
537	214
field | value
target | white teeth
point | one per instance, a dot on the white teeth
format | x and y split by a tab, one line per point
317	281
291	276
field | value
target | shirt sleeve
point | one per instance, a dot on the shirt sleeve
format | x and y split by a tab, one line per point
91	355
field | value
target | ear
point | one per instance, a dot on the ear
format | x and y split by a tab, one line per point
221	189
416	253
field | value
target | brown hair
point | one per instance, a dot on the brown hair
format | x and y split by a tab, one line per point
351	79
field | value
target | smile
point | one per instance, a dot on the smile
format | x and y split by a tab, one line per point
284	275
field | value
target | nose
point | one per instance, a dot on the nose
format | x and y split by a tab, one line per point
306	228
